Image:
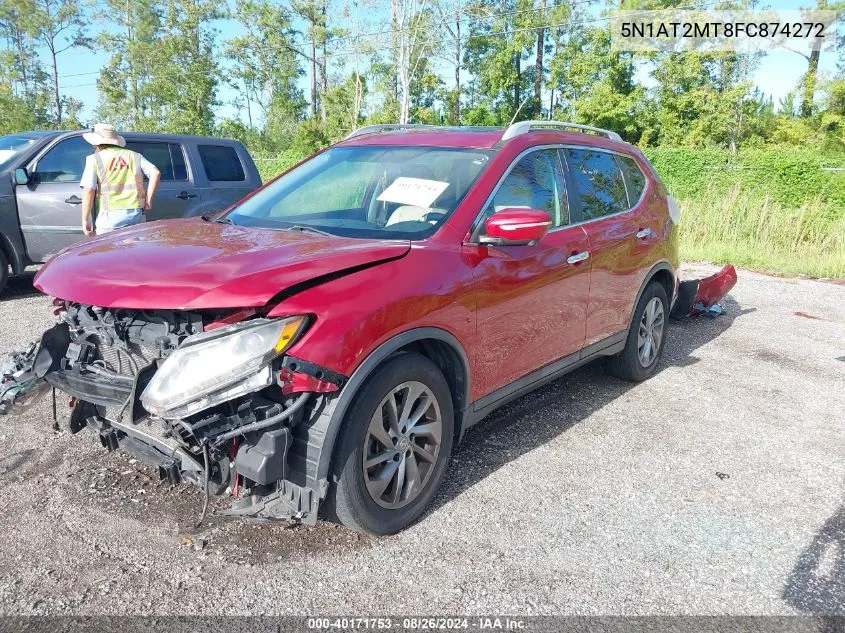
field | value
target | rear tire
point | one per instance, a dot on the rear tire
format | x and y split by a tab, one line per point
646	337
393	447
4	271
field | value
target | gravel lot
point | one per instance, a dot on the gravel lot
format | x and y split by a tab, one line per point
714	488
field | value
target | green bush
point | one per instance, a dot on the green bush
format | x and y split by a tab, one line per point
769	209
788	177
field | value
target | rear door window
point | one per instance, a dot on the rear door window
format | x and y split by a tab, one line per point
221	163
167	157
598	182
65	162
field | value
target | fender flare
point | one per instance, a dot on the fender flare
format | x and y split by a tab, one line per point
365	369
662	265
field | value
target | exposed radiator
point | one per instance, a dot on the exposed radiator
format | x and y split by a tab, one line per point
118	359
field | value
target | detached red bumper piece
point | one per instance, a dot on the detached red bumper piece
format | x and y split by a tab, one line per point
703	296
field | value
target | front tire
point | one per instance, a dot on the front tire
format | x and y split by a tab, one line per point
646	337
4	271
393	447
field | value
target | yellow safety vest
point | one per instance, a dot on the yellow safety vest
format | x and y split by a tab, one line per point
120	180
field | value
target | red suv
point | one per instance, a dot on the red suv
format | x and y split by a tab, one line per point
324	343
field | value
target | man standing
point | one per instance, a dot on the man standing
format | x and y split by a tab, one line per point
114	176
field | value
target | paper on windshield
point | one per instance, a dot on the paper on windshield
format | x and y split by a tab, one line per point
418	192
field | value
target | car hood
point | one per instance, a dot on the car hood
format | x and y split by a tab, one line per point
194	264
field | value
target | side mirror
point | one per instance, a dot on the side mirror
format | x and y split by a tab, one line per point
21	176
516	227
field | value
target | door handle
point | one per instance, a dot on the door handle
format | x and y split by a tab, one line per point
644	233
73	200
185	195
578	257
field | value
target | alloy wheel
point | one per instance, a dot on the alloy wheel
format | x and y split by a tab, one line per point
650	332
402	445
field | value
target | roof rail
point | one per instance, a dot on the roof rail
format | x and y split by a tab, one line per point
523	127
387	127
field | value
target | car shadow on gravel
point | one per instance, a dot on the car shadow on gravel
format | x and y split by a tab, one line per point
538	417
817	582
19	286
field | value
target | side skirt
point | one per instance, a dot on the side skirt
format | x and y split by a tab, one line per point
483	406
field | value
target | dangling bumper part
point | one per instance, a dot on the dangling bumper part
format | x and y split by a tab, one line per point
20	388
704	296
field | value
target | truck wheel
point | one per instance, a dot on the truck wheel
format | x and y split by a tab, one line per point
393	447
646	337
4	271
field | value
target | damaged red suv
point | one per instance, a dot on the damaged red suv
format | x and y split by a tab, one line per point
322	345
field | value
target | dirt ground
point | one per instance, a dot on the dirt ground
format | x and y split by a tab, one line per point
714	488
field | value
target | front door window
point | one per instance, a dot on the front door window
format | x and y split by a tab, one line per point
65	162
535	182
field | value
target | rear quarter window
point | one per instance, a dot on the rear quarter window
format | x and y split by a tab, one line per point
221	163
636	178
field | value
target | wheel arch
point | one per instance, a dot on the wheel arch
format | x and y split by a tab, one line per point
665	274
438	345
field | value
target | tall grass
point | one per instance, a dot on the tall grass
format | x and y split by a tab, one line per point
750	230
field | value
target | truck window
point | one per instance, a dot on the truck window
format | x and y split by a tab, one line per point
65	162
221	163
168	157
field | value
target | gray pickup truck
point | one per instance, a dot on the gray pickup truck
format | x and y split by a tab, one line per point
40	196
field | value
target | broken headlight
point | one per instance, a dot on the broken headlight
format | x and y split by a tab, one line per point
216	366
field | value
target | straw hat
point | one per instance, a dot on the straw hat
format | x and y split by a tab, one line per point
104	134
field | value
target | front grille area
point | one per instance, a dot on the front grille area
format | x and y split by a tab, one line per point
102	373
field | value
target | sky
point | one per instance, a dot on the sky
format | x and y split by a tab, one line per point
777	74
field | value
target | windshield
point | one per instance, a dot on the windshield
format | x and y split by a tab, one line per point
11	146
373	191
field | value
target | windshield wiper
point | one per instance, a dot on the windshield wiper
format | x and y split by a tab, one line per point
308	229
